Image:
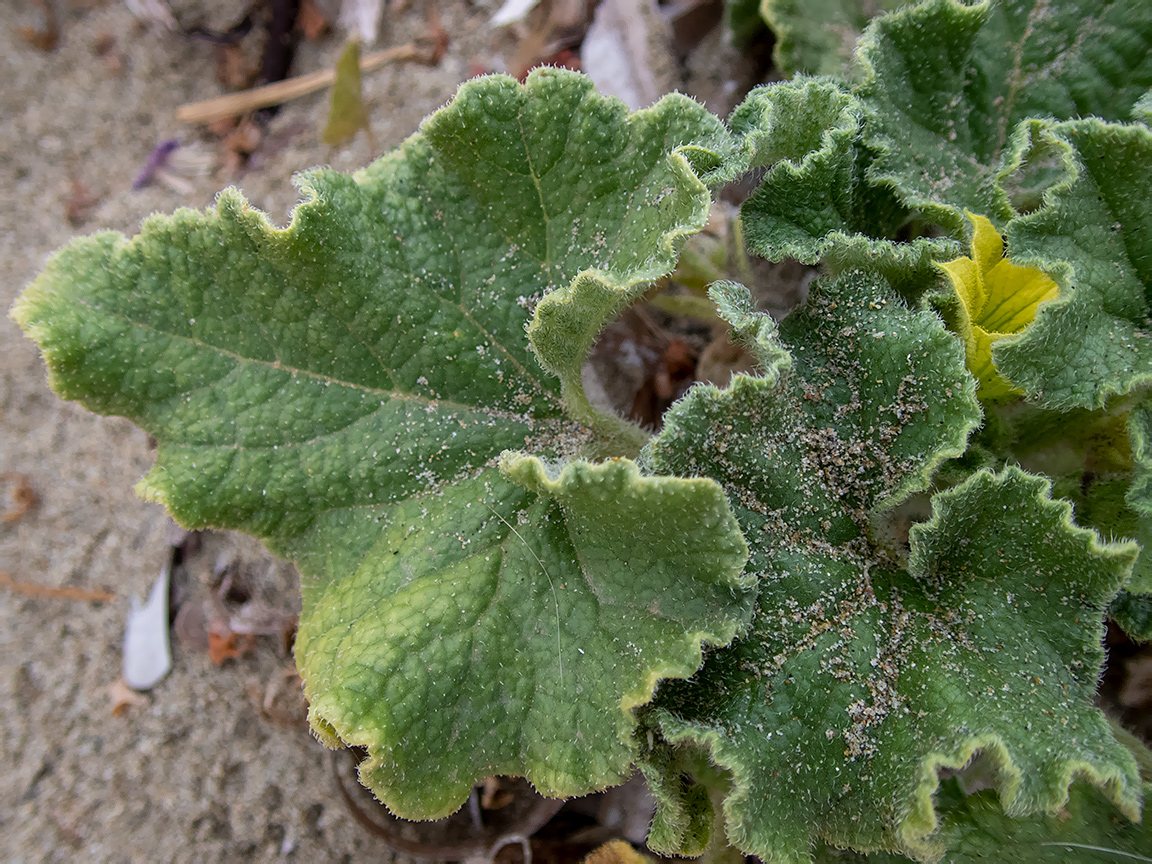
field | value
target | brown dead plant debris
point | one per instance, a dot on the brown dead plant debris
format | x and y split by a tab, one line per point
225	630
16	495
79	204
236	104
48	38
34	589
280	701
312	22
124	697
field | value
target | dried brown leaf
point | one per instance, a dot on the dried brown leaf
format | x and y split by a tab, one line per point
48	38
18	496
79	204
232	68
312	22
224	646
124	697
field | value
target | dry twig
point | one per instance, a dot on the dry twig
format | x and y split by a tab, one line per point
292	88
33	589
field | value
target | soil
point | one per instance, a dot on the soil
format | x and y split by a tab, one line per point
212	764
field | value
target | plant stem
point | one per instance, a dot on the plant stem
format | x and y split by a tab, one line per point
617	436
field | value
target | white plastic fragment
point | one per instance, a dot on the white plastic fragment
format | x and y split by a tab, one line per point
362	17
152	12
147	654
512	10
617	51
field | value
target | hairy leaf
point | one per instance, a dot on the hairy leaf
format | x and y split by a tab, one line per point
513	626
1087	828
1092	458
624	218
820	37
867	669
344	389
1142	110
1095	238
947	83
1133	612
745	22
816	203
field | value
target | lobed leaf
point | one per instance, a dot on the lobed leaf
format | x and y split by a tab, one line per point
1132	611
820	37
510	624
816	203
868	670
344	389
1142	110
623	218
1088	828
1094	236
946	84
1095	460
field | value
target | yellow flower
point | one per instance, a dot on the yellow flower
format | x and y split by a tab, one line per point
997	299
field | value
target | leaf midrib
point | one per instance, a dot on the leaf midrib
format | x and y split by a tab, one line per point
399	395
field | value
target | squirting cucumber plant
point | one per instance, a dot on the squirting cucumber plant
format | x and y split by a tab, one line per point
857	596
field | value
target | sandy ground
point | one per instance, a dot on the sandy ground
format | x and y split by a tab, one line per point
195	773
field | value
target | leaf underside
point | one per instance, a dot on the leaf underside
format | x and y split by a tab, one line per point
344	389
869	668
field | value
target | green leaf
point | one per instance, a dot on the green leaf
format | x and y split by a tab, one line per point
1095	238
820	37
745	22
946	85
515	625
1142	110
1099	502
1133	612
614	202
1140	437
1093	458
816	204
344	389
1087	829
683	818
346	112
868	669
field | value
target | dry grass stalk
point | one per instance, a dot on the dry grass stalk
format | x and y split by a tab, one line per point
235	104
33	589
